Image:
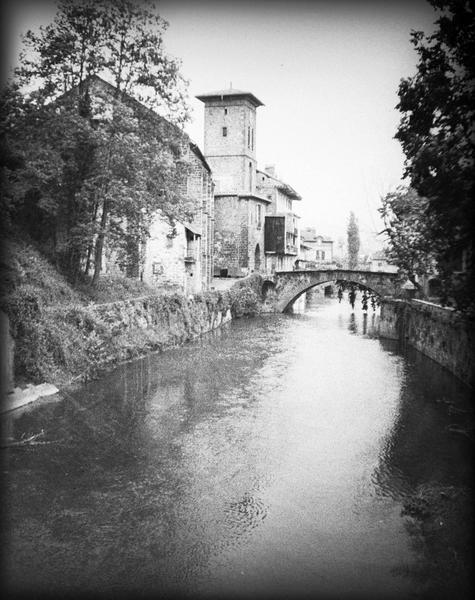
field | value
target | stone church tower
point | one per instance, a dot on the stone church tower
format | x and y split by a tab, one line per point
230	150
230	139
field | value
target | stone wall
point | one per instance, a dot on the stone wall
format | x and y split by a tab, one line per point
126	329
164	321
289	285
231	235
229	156
239	235
164	259
62	343
438	332
199	188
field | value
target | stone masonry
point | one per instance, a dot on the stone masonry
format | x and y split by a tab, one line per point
230	150
289	285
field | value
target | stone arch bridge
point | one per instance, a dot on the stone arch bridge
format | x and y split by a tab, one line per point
287	286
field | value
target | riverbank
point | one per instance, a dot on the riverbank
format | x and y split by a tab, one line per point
59	334
192	465
436	331
440	522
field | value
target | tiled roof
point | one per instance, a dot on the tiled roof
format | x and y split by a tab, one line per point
281	185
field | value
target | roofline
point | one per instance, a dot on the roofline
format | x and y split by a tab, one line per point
243	195
282	186
236	96
195	148
288	190
254	197
325	239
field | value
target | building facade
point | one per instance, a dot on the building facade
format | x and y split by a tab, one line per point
379	262
281	229
175	256
321	247
180	257
252	207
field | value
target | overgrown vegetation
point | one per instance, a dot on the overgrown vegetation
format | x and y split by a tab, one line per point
86	162
407	227
441	527
63	333
434	216
368	298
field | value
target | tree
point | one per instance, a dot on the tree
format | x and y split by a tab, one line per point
353	239
408	230
121	41
100	163
51	157
139	168
437	136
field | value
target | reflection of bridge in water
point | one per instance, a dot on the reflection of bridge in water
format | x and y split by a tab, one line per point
286	286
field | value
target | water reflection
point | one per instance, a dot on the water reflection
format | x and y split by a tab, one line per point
272	458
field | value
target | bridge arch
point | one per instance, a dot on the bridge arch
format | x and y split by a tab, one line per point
289	285
335	281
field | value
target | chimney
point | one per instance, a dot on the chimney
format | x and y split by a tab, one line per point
270	169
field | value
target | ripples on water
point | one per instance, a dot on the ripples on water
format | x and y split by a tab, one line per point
272	457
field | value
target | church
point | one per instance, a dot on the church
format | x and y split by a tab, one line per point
255	228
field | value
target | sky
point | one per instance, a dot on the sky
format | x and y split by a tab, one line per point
327	72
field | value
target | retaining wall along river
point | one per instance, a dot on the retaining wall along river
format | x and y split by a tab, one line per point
66	342
438	332
291	456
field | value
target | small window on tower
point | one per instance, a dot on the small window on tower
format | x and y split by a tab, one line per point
225	111
225	131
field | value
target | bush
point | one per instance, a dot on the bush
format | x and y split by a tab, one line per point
244	302
110	288
60	333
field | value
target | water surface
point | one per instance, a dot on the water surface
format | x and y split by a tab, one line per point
270	458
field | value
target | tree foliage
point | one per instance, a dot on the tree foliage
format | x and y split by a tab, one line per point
437	136
353	240
122	41
87	165
408	230
352	288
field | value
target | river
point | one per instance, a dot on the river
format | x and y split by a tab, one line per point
282	456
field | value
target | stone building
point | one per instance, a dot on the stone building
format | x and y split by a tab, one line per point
379	262
322	246
281	229
306	255
230	150
181	257
176	256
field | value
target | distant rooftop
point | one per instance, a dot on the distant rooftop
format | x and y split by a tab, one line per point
312	237
230	93
287	189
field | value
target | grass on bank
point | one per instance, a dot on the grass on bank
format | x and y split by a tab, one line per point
60	333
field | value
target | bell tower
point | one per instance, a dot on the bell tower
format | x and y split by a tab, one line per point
230	139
